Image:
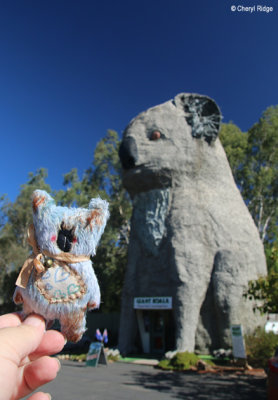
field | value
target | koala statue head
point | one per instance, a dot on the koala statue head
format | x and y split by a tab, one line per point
164	140
71	230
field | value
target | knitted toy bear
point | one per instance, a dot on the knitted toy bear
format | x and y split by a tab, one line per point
57	281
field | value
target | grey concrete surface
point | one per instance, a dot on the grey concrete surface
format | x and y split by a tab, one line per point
129	381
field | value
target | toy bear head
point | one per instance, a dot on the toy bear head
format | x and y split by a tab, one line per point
167	140
70	230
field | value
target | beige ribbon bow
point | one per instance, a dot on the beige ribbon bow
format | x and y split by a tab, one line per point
36	258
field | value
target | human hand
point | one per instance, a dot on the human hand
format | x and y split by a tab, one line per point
25	364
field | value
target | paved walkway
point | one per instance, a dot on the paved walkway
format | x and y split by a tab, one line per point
122	381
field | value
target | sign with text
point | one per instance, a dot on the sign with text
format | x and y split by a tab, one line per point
153	303
96	355
238	341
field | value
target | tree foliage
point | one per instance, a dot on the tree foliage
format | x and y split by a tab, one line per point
103	179
16	217
234	142
265	292
253	157
262	172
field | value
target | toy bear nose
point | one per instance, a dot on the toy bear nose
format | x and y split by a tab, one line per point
128	153
65	239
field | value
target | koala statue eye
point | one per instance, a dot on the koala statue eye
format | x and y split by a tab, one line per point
155	135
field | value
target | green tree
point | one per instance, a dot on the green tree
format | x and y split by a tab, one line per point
253	157
271	252
234	142
265	290
111	258
261	174
103	179
16	217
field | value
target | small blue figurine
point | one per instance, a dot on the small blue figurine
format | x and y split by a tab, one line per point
57	281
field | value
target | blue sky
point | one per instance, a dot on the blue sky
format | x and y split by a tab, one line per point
70	70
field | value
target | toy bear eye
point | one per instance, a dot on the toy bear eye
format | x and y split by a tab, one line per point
155	135
65	238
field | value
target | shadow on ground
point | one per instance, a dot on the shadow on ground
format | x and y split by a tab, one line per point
202	386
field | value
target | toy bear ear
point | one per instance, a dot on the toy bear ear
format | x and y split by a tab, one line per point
98	213
40	199
201	113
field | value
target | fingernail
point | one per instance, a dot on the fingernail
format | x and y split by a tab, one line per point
48	395
33	320
59	364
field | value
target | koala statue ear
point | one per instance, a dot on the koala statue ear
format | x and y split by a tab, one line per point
201	113
40	199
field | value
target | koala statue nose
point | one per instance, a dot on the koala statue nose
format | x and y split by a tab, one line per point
128	153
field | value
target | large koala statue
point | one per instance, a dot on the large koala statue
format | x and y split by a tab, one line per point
192	237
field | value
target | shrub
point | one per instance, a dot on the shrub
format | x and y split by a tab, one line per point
260	346
180	362
165	364
73	357
113	354
184	360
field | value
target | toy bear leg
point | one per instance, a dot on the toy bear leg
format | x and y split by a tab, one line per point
73	326
49	324
27	309
17	298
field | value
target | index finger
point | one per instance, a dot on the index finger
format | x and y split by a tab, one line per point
20	341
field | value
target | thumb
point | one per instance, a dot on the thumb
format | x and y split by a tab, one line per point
20	341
